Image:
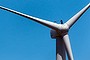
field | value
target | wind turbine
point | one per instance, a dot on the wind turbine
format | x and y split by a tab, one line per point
58	32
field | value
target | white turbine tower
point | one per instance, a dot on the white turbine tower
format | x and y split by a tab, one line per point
59	32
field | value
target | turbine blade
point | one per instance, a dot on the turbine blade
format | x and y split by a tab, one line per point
43	22
68	47
71	21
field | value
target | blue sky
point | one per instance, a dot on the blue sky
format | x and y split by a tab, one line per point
22	39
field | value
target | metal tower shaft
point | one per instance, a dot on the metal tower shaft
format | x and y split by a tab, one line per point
60	49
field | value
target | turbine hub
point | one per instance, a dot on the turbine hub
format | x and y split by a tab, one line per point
63	29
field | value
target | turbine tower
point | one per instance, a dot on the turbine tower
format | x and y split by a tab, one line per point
58	32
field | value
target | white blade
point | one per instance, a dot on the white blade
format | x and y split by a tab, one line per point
43	22
77	16
68	47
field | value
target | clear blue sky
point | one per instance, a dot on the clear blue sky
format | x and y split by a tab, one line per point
22	39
